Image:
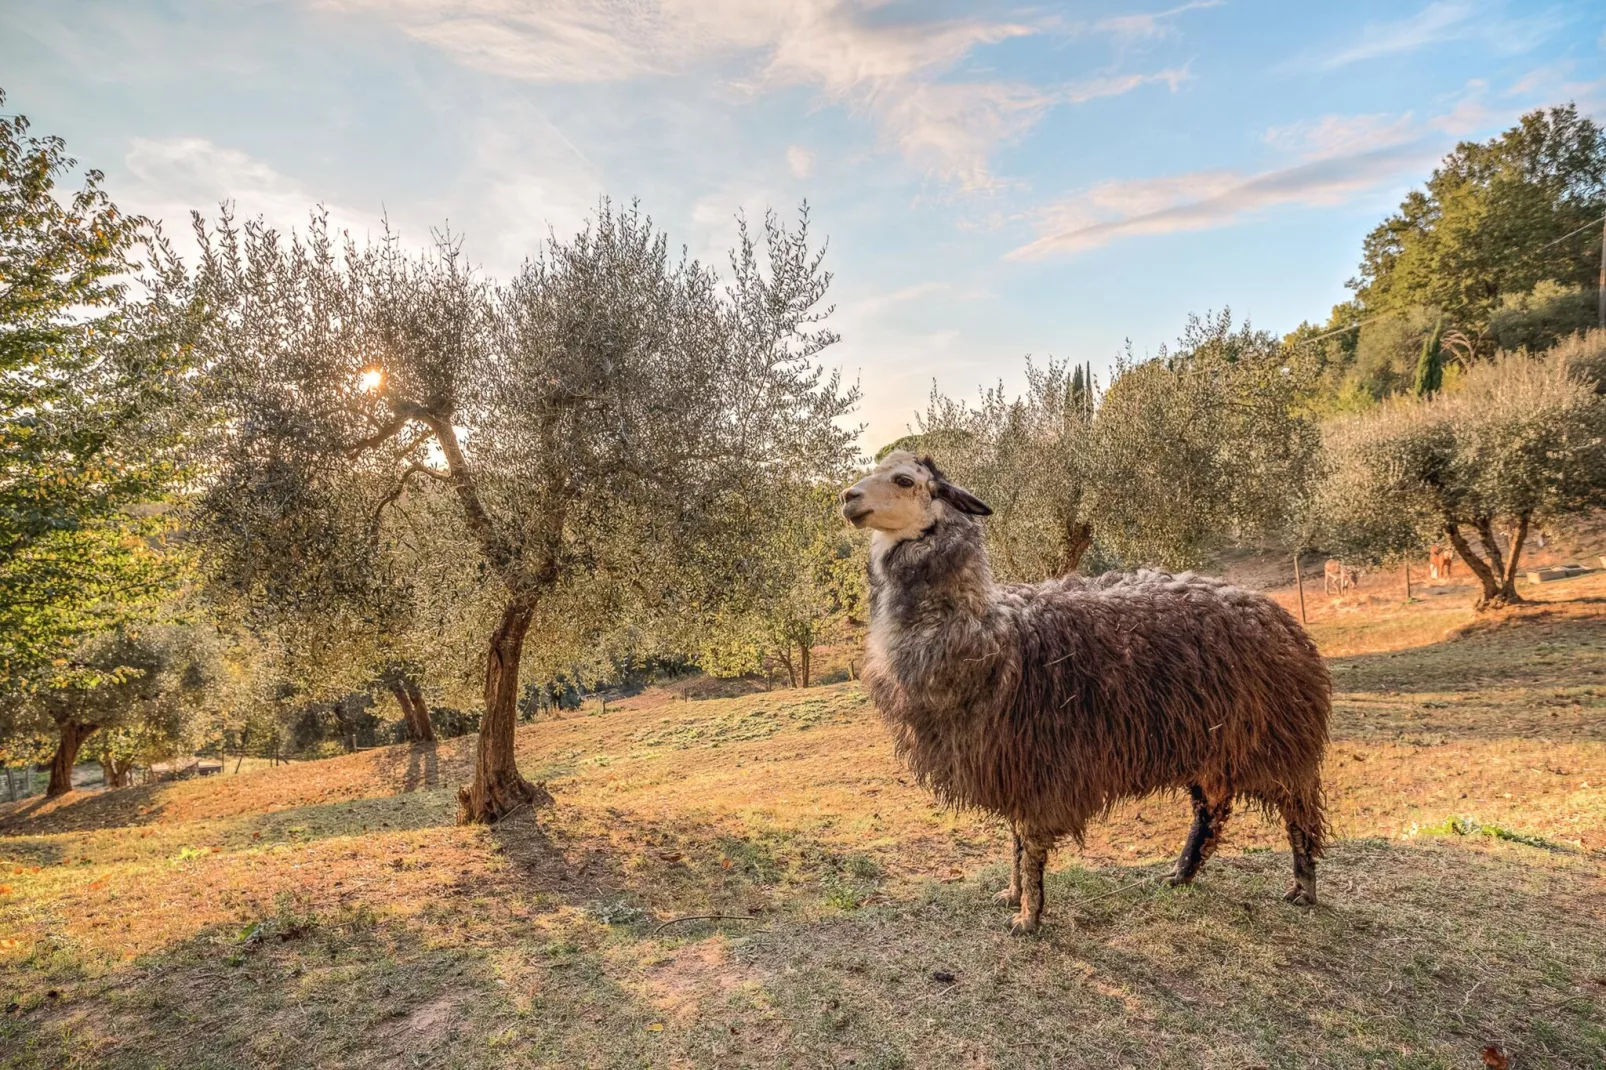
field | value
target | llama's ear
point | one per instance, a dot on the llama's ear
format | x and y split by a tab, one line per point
961	499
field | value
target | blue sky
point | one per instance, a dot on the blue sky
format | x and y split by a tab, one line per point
995	180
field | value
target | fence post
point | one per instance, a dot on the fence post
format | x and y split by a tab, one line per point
1299	581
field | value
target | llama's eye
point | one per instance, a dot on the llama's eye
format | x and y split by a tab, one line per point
903	481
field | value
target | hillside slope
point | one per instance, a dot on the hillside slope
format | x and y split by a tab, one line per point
330	913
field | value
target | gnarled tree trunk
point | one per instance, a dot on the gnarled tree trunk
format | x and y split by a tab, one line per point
117	772
414	712
1497	574
426	730
73	735
498	789
1078	537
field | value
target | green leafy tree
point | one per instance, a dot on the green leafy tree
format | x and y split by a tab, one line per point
139	694
1491	224
87	374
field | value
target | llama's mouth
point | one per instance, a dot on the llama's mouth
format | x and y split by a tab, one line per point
856	515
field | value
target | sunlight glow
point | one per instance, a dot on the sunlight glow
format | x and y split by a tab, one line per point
371	379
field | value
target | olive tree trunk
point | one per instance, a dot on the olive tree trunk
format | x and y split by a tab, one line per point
1078	537
73	735
1496	572
498	788
414	712
117	772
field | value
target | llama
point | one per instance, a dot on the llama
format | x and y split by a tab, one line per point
1048	704
1440	562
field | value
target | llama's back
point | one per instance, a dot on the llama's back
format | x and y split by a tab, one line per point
1141	682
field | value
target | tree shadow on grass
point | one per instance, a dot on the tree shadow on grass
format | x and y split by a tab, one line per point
1534	680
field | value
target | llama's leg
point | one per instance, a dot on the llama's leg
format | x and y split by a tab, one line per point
1011	896
1034	857
1208	818
1303	816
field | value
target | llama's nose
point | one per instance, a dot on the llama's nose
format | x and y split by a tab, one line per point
851	494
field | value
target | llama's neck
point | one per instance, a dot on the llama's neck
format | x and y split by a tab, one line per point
932	623
941	575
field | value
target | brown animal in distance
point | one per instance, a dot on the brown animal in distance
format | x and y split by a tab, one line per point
1440	562
1048	704
1337	576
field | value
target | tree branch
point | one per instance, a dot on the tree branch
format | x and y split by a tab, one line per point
386	432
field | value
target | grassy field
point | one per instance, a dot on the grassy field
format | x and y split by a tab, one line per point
330	914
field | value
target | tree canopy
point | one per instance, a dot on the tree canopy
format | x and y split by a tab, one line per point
89	374
1519	442
593	421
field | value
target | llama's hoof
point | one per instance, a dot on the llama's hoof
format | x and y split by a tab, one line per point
1172	880
1009	897
1024	925
1300	896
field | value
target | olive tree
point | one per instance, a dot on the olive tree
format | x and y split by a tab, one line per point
1027	457
798	575
136	695
1182	451
600	413
1520	441
1202	444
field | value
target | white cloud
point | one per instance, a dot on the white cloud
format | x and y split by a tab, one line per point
799	161
1115	85
1332	159
1342	135
1205	200
1434	23
172	176
1155	24
1437	23
896	72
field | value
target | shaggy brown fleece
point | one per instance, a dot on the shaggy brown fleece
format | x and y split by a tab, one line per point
1048	704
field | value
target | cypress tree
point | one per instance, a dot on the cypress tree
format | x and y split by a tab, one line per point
1430	366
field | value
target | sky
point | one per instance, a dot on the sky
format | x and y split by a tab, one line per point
994	181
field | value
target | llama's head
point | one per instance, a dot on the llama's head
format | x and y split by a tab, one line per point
904	496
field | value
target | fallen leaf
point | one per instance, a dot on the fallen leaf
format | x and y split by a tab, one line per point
656	1027
1494	1058
669	856
725	862
5	889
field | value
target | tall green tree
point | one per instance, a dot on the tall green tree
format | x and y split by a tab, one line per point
1430	365
87	372
1490	225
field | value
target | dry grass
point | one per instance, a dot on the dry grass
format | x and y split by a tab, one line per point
329	914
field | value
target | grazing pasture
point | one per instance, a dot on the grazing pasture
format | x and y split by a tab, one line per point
332	913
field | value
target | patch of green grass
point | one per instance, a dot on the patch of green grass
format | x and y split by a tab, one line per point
1468	826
